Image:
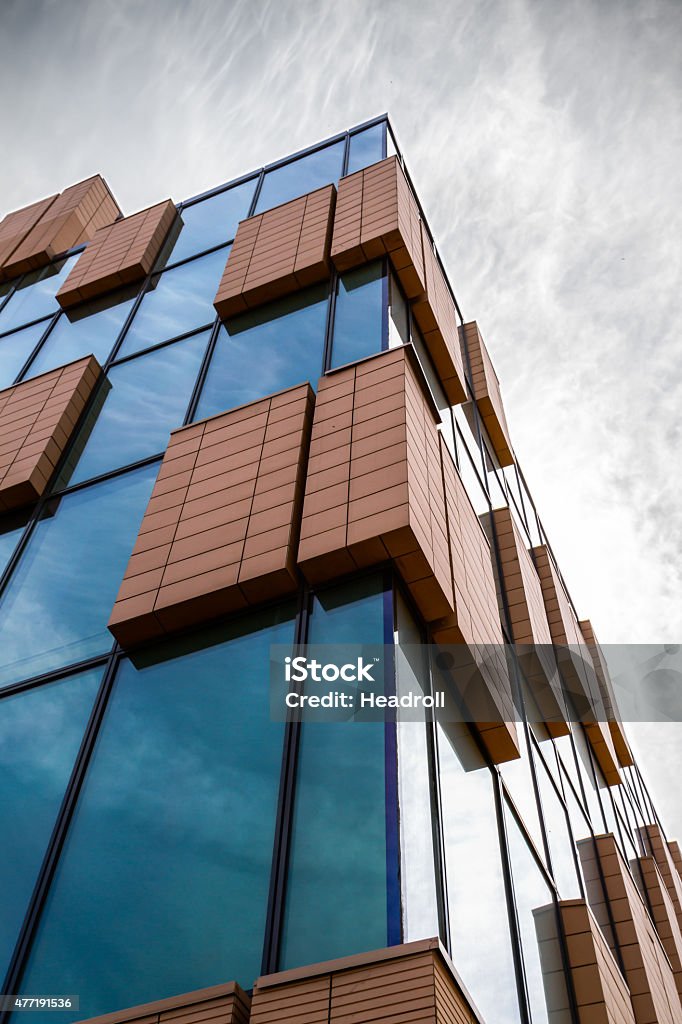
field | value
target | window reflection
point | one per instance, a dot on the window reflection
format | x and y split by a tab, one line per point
179	301
359	315
212	221
301	176
59	598
35	295
15	350
145	398
367	147
267	350
40	733
11	528
477	902
336	893
163	883
558	835
89	329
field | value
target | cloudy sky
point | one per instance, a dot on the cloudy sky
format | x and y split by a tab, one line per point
544	139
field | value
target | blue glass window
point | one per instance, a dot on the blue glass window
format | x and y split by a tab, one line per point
301	176
15	349
360	323
90	329
35	296
11	528
266	350
163	883
179	301
336	901
212	221
144	399
58	601
40	733
366	147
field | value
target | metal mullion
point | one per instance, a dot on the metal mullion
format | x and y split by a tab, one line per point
58	837
29	323
192	257
346	156
111	474
162	344
203	372
533	750
73	668
38	346
274	919
512	915
394	908
328	350
256	193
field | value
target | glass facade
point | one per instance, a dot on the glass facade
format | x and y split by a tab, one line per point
206	842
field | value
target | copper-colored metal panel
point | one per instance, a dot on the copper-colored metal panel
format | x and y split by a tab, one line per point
278	252
608	697
226	1003
576	666
66	220
528	622
37	420
664	916
601	993
487	393
654	840
220	531
414	982
617	903
122	253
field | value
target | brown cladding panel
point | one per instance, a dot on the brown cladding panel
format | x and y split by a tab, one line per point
37	420
486	388
377	215
601	993
16	226
608	697
376	492
648	973
664	916
70	219
220	1004
653	839
278	252
122	253
221	527
410	984
576	666
528	622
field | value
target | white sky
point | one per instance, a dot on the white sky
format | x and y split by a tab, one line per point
544	140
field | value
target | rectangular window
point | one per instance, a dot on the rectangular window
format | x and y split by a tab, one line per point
212	221
367	147
178	301
336	902
40	733
163	883
15	349
360	326
264	351
89	329
301	176
35	295
57	603
143	400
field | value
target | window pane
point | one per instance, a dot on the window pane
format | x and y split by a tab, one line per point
40	733
15	350
35	296
359	316
336	893
58	602
538	925
144	400
179	301
212	221
163	883
558	836
476	897
301	176
11	528
366	147
399	316
90	329
266	350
